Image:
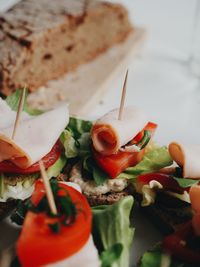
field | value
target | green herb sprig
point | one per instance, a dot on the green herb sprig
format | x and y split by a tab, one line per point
67	209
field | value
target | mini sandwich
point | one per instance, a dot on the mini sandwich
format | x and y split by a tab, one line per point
182	248
106	156
165	194
61	240
37	138
111	230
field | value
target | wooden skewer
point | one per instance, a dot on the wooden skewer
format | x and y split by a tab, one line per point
121	109
19	112
49	192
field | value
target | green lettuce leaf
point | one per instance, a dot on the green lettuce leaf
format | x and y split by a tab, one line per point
152	258
186	182
69	143
111	225
111	255
78	127
81	148
13	102
84	145
99	175
55	169
153	160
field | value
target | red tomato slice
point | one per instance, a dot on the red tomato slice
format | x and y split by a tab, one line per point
165	180
114	164
48	160
38	245
38	193
176	245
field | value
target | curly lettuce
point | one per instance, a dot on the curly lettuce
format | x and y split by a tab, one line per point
111	226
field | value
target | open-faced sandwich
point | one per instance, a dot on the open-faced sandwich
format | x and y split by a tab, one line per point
37	138
106	156
165	194
66	239
182	248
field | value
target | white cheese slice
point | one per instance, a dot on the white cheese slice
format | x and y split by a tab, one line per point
86	257
188	157
109	133
35	137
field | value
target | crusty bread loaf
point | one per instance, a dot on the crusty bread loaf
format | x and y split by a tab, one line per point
41	40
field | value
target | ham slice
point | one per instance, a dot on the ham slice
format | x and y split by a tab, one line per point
35	137
187	157
109	134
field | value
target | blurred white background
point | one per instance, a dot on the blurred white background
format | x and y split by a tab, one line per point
160	80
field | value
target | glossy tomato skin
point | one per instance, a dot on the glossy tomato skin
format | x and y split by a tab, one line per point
165	180
39	246
176	245
48	160
114	164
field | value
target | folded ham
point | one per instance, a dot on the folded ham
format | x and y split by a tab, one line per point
35	136
109	133
188	157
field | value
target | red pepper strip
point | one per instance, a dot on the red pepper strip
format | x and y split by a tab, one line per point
165	180
149	127
176	245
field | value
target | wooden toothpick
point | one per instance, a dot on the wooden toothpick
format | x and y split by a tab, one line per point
48	190
121	109
19	112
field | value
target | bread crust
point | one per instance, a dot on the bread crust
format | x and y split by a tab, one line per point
42	40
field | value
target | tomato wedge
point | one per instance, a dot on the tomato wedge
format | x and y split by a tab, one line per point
165	180
114	164
176	245
48	160
38	245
